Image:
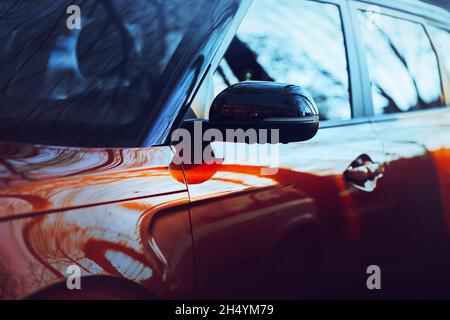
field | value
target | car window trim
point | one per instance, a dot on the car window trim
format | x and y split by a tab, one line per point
442	68
409	114
165	140
356	96
417	9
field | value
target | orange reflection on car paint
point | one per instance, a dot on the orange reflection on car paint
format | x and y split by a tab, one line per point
93	208
36	203
442	160
54	178
136	206
138	215
102	240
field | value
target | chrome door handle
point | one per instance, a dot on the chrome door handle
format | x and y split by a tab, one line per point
363	173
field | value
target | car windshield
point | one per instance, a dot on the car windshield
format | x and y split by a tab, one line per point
62	77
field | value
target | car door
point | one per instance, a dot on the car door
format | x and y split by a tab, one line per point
266	219
411	119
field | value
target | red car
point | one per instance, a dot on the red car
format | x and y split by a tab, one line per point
91	179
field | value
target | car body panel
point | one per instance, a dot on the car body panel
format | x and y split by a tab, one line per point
417	151
106	211
35	179
240	216
419	142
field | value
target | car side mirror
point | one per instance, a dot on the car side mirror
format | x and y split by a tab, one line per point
263	105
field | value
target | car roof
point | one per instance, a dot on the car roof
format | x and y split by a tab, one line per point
415	7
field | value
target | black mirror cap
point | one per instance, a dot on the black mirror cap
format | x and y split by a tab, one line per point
266	105
256	101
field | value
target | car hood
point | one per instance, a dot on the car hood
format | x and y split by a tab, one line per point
41	179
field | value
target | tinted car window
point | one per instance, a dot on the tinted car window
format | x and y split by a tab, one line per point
402	64
292	41
87	84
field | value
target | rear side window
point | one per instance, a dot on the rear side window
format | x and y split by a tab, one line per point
296	42
402	65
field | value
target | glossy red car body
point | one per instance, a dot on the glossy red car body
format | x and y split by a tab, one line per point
126	213
140	226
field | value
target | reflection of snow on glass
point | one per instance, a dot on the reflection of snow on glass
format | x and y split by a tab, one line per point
373	13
